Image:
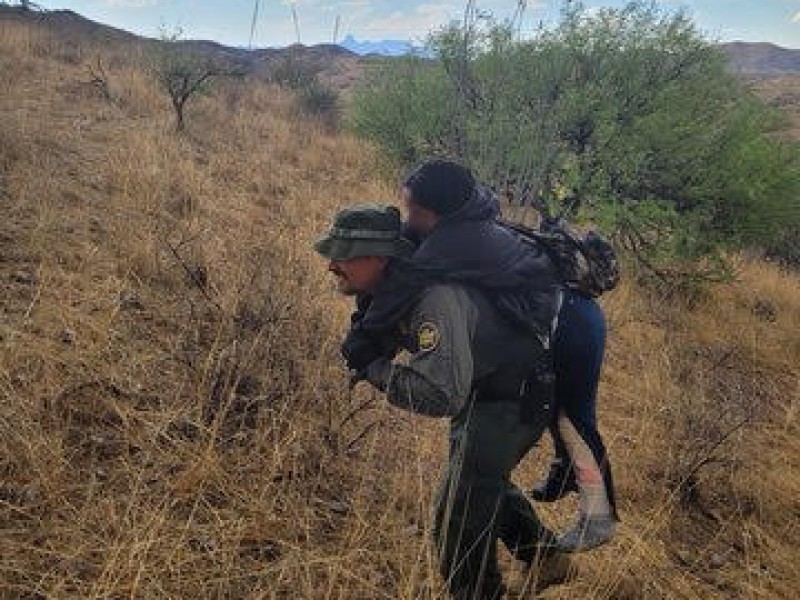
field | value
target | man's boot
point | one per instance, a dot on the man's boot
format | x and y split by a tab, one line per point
560	482
589	532
551	568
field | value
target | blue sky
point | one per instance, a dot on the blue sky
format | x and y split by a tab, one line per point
228	21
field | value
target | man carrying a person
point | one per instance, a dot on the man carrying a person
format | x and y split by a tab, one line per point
469	363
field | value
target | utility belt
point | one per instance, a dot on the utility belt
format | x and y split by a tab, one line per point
532	384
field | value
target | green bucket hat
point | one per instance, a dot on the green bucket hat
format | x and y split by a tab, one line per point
365	230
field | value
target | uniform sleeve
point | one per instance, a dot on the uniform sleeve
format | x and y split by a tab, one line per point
438	377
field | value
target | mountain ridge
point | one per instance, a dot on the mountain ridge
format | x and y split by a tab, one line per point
759	59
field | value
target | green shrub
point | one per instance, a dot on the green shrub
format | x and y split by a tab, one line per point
291	72
625	117
319	100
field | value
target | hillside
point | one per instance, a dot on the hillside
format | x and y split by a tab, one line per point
763	60
174	416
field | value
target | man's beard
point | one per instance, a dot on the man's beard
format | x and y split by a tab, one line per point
344	288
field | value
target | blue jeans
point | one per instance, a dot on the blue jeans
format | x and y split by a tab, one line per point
578	357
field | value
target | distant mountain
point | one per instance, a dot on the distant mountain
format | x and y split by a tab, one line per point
384	47
747	58
68	23
343	62
760	59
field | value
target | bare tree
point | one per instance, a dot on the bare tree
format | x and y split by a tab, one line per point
182	82
183	74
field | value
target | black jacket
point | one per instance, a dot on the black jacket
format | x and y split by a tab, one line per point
468	247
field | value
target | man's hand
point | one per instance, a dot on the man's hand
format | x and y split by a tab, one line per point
377	373
359	349
355	378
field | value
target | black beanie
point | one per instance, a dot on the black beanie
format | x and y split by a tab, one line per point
441	186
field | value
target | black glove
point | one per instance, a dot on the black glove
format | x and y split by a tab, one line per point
359	349
378	372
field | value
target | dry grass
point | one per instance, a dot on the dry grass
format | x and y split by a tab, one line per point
173	416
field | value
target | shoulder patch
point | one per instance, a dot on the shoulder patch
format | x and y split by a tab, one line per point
428	337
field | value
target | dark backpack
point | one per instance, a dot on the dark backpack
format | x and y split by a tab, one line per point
586	264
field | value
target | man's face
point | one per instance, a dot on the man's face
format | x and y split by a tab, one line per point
421	220
357	275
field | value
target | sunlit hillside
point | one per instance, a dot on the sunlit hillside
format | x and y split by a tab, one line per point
174	415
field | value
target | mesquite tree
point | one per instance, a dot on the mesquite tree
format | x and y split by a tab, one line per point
626	117
183	73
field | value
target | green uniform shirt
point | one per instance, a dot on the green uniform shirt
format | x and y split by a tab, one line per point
454	337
